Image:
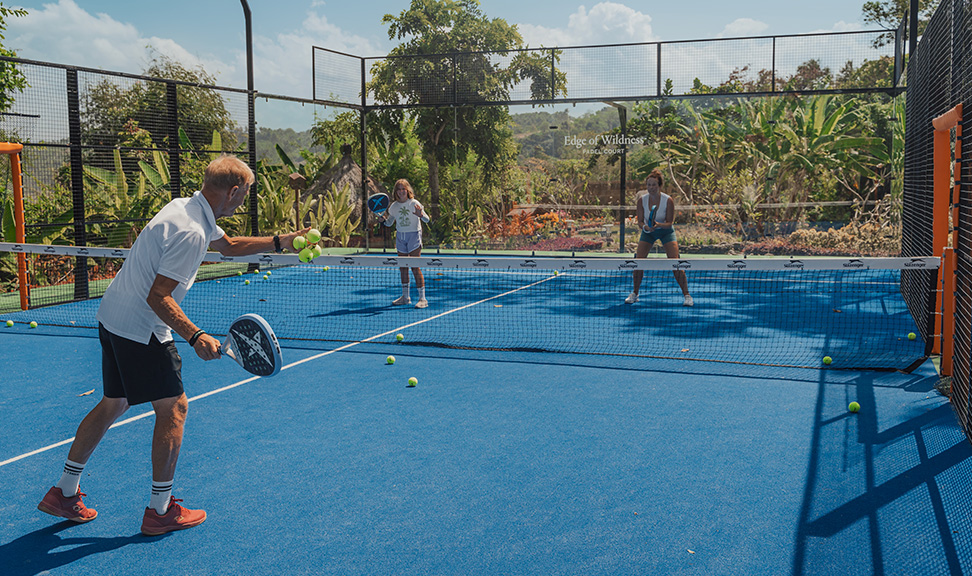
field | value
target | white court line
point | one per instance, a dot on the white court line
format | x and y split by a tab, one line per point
291	365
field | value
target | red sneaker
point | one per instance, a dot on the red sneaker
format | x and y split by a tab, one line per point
72	508
175	518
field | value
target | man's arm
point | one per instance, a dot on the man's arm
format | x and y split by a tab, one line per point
246	245
161	302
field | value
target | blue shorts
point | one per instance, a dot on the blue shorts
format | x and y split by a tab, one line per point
666	235
408	242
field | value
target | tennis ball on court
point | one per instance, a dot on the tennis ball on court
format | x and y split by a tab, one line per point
265	277
9	323
556	272
313	236
33	324
399	337
827	360
326	268
306	255
316	250
412	382
853	406
390	360
239	273
911	336
299	243
247	282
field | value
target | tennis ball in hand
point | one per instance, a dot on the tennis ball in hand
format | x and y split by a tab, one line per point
33	324
390	360
399	337
9	323
853	406
412	382
911	336
313	236
316	250
299	243
827	360
306	255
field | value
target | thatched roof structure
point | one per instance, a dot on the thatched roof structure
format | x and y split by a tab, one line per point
347	172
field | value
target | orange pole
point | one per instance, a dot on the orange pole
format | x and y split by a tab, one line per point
942	187
948	310
946	173
13	150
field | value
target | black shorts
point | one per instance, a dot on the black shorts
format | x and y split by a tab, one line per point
139	372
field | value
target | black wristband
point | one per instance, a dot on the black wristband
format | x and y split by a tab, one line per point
194	337
276	244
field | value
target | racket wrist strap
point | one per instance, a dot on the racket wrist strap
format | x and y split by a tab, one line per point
195	336
276	244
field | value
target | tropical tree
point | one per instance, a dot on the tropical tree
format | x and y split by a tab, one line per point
888	14
446	50
11	79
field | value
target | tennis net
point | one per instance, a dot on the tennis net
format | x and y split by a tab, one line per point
772	311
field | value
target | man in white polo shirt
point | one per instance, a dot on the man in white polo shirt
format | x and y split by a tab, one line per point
140	362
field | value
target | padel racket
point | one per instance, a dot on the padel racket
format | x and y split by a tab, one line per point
251	342
378	203
651	219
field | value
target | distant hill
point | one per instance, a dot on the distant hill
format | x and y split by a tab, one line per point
290	140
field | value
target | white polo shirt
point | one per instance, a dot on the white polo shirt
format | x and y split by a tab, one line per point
173	244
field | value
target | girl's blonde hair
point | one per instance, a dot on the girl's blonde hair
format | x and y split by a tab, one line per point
408	187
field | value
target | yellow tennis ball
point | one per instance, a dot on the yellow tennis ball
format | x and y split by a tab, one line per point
306	255
316	250
313	236
556	272
827	360
326	268
33	324
853	406
399	337
9	323
412	382
239	273
390	360
247	282
911	336
299	243
265	277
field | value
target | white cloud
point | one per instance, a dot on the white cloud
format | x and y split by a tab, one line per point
743	27
606	22
67	34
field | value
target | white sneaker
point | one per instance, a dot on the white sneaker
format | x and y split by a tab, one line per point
688	300
402	300
632	298
423	303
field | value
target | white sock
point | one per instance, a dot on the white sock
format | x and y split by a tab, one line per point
421	290
405	293
71	478
161	492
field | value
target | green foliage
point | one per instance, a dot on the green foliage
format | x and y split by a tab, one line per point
12	80
449	136
888	14
339	215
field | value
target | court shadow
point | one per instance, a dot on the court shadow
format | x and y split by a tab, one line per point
46	549
879	481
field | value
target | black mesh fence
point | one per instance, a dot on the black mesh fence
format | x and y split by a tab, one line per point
939	78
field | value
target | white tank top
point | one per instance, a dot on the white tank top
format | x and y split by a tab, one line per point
661	211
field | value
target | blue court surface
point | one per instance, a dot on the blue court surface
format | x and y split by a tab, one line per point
496	463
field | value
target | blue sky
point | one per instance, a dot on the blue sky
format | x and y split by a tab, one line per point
122	34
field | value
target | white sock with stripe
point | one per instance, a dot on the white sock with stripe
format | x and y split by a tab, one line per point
161	492
71	478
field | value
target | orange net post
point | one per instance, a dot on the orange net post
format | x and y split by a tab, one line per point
13	150
946	178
